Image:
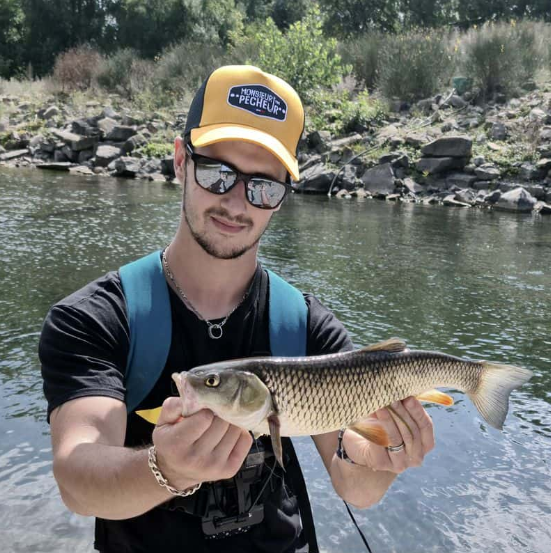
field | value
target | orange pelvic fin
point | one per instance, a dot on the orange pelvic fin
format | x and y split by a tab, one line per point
371	430
434	396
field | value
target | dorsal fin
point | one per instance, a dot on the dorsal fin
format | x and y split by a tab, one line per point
392	345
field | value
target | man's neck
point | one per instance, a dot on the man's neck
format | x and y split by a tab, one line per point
213	286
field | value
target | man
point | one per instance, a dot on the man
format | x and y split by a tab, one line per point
182	484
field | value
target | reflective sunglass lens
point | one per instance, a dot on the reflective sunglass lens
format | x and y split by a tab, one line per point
216	178
264	193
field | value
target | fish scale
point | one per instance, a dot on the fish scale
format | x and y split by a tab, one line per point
325	393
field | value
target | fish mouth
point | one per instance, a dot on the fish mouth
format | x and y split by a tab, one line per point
190	400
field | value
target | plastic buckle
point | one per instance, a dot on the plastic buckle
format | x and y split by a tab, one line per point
221	527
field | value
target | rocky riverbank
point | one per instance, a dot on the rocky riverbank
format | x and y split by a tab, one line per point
444	150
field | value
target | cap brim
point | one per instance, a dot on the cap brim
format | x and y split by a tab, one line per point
211	134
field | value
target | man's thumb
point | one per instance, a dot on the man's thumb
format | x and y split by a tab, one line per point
171	411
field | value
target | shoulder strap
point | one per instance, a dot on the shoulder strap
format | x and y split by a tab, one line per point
288	324
150	322
288	318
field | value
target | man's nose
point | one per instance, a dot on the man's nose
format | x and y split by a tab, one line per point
234	200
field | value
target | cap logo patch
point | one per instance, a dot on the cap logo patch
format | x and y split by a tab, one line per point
258	100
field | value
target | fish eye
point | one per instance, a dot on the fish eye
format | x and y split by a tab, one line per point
212	381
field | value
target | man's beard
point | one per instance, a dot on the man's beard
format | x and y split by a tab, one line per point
208	245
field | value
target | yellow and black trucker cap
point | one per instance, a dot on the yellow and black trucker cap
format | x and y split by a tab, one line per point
241	102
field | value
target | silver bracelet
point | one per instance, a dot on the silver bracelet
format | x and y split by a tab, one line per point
341	452
152	462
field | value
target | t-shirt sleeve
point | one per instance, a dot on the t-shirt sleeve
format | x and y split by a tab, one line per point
84	344
326	334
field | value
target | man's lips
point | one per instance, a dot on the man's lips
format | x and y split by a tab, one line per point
226	226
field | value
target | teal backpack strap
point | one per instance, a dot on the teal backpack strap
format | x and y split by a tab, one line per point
288	319
150	321
288	324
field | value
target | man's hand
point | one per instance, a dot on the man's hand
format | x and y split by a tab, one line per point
418	442
199	448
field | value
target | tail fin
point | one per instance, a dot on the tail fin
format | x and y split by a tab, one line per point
491	397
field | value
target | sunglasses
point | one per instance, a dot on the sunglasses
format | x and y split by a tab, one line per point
220	177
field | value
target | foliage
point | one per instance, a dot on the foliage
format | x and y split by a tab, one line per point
362	52
285	13
501	57
346	18
54	26
301	56
414	65
148	26
340	112
186	65
156	149
11	36
77	68
215	21
428	13
125	73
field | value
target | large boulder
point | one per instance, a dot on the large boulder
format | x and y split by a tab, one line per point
106	125
320	140
316	180
435	165
127	166
134	142
487	172
518	200
106	154
75	141
529	171
449	146
14	154
462	180
379	180
167	166
120	133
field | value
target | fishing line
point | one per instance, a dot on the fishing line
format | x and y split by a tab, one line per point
357	527
268	478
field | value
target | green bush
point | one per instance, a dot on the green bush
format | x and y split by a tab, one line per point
156	149
501	57
126	73
186	65
76	68
340	112
414	65
302	56
362	52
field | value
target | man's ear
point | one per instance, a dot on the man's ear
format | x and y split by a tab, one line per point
179	159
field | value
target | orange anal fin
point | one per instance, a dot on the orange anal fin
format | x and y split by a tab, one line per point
371	430
434	396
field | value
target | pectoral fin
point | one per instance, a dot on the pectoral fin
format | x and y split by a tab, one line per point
434	396
150	415
273	423
371	430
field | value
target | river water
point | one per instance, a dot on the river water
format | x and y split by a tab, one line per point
462	281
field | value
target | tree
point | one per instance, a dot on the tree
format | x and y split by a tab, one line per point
54	26
302	56
12	31
345	18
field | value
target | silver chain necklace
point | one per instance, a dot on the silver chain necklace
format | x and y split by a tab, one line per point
214	330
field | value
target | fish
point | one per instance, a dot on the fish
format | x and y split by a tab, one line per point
297	396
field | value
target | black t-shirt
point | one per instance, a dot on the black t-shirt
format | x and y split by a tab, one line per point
83	352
